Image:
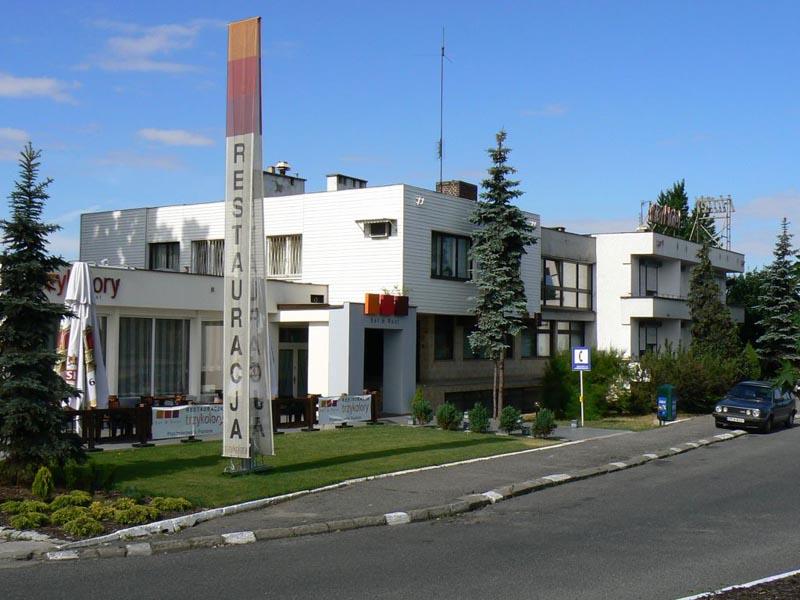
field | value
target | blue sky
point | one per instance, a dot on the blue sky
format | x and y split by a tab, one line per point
605	103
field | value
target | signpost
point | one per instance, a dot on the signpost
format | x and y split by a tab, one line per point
581	361
247	421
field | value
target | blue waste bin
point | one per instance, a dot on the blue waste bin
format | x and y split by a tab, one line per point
667	403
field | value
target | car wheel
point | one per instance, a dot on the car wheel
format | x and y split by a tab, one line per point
719	424
790	420
767	427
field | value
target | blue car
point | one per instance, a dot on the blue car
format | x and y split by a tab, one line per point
755	404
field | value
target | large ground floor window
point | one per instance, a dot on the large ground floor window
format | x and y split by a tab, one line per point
211	359
153	356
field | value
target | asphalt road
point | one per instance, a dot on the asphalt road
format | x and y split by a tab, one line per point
699	521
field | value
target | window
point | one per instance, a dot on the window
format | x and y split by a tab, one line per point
543	342
450	256
285	255
211	358
567	284
208	257
379	229
153	356
648	336
165	256
648	278
528	340
443	337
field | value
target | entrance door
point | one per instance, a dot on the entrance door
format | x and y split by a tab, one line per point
293	372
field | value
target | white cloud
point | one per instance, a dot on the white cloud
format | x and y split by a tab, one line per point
32	87
6	154
139	161
14	135
174	137
140	48
65	244
549	110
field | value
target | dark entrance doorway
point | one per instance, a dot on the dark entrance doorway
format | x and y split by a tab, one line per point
373	359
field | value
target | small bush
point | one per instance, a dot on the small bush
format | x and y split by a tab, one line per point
421	409
43	484
448	416
74	498
37	506
88	476
124	503
509	419
11	507
102	511
479	418
162	504
83	526
68	513
136	515
544	424
29	520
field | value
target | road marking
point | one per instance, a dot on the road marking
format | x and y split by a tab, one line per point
397	518
743	585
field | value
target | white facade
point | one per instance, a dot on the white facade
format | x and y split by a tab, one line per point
642	289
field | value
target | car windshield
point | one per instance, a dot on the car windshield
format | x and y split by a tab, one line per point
750	392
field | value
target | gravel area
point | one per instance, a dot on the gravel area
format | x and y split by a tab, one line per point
782	589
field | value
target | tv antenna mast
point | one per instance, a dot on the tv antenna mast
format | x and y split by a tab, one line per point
710	212
441	110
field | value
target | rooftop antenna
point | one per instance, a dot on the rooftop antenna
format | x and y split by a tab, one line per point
441	109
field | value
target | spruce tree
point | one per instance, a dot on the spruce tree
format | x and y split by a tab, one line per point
31	431
676	198
779	306
713	330
498	244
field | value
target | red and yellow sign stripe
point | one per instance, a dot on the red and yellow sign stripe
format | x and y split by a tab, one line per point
244	77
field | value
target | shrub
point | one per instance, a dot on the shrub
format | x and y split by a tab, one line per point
83	526
606	387
421	408
479	418
162	504
544	424
135	515
124	503
102	511
11	507
751	365
509	419
448	416
27	506
43	484
74	498
88	476
68	513
29	520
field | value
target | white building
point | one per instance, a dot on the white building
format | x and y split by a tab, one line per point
161	306
335	246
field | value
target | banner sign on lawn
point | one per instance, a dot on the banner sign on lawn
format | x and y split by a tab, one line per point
338	409
183	421
247	426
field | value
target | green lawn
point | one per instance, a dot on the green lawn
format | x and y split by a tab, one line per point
628	423
301	461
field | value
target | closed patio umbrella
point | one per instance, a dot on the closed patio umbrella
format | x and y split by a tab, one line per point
80	355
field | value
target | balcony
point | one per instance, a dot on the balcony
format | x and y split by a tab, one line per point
654	307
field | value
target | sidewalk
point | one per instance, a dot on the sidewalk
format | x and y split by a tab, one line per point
425	493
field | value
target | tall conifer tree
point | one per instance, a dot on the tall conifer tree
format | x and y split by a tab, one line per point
713	329
779	306
30	390
498	244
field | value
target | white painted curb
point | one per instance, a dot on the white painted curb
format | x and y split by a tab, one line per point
239	537
742	585
493	496
397	518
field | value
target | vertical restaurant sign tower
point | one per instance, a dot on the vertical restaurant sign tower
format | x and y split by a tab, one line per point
247	422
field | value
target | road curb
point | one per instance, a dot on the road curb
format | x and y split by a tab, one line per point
464	504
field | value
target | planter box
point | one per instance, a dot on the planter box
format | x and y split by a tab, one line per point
372	305
387	305
401	306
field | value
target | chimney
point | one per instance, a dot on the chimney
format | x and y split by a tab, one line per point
337	181
458	188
